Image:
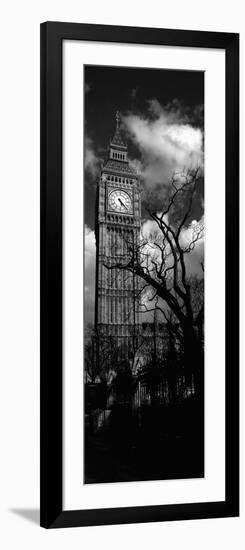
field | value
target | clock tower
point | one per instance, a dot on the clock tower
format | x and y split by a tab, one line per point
118	219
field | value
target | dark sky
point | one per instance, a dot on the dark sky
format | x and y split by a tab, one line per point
128	90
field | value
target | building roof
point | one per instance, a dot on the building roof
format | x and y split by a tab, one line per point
116	166
117	140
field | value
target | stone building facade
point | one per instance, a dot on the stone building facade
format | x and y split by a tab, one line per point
117	230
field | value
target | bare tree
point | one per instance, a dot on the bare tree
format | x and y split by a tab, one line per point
159	260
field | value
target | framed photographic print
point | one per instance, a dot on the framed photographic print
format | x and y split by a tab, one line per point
139	274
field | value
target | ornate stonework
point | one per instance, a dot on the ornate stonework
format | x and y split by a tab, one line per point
118	219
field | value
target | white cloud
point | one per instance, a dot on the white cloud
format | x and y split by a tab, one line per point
191	231
152	233
166	139
194	259
148	228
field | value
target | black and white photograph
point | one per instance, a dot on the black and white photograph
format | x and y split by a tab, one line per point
123	262
144	272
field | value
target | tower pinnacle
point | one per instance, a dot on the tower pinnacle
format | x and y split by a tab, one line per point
117	119
117	139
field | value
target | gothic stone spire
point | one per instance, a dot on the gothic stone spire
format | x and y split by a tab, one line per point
117	139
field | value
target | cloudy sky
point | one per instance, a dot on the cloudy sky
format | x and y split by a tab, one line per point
162	120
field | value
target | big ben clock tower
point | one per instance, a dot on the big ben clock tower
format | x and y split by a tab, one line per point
118	218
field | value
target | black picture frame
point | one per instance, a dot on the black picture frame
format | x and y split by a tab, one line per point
52	35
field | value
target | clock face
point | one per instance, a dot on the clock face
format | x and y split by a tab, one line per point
120	201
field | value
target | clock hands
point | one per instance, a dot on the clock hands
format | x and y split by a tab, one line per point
122	203
119	200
